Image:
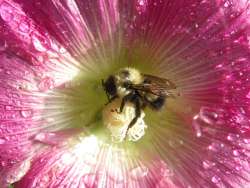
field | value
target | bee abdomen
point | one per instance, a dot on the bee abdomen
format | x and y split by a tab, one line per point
157	103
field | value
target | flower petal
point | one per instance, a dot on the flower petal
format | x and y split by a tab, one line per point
201	46
77	25
23	37
22	106
89	163
17	113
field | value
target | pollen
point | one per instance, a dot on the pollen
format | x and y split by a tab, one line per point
117	123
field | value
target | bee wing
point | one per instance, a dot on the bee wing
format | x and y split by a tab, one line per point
163	82
155	85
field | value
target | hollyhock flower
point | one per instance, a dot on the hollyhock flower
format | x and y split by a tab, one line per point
53	56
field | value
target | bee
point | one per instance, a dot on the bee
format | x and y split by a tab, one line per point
142	90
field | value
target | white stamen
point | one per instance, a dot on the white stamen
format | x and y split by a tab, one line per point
118	123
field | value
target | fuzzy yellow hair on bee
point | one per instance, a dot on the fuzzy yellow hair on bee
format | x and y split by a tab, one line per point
142	90
130	74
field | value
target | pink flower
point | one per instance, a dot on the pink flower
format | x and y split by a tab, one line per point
53	55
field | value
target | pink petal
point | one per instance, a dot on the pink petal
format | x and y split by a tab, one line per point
25	38
22	118
203	46
17	113
72	23
89	163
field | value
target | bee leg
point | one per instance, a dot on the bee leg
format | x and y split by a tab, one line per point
111	99
124	100
137	114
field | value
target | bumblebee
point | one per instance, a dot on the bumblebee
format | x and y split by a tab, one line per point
143	90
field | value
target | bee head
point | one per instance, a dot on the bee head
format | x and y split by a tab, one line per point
109	86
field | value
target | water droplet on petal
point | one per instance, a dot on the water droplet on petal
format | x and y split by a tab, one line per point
181	142
40	137
50	120
236	153
46	83
208	115
6	12
2	141
47	138
196	126
139	172
226	4
238	168
166	171
7	107
246	141
141	2
24	26
44	181
231	137
62	50
3	163
26	113
215	147
39	43
40	58
248	95
207	164
18	171
215	179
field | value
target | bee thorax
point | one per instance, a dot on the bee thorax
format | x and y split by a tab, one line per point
122	91
129	75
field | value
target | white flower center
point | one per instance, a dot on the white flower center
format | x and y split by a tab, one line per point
118	123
